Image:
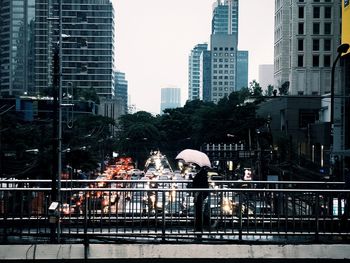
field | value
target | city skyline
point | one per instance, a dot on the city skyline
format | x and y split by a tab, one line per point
152	55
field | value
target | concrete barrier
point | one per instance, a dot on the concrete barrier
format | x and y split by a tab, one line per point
166	252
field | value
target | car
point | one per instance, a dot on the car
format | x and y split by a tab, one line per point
135	174
261	207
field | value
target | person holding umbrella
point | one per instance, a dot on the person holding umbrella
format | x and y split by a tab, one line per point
200	181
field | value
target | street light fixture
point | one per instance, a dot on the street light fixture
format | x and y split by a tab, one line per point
343	48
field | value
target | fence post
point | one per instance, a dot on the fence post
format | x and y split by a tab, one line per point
317	226
240	215
86	238
163	216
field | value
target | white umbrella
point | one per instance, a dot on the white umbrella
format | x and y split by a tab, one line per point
194	156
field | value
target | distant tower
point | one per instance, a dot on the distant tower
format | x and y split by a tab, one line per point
205	75
121	89
170	98
194	72
225	17
242	69
224	40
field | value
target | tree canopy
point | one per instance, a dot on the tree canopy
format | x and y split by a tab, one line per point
190	126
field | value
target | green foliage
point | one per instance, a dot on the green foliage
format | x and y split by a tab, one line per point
284	89
255	89
269	91
87	94
196	123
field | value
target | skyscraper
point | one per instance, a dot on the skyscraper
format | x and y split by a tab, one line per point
17	47
194	73
205	74
224	62
88	49
224	40
307	34
29	32
242	69
121	89
225	17
170	98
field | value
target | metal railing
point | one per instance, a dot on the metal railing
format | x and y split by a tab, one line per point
165	211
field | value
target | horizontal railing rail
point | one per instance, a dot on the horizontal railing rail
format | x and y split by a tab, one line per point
168	211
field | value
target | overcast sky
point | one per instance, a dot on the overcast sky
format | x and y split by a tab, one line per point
154	39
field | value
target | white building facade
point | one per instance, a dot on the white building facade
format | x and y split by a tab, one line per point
307	34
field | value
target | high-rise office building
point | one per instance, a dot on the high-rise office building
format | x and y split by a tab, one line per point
224	62
242	69
224	40
307	34
121	89
170	98
88	48
17	25
205	74
225	17
30	32
194	72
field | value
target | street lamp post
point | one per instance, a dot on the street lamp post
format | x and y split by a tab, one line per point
343	48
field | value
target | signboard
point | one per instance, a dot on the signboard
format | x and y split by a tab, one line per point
345	38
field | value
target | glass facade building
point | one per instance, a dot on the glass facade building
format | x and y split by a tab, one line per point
194	72
121	89
242	69
170	98
17	25
29	30
88	48
225	17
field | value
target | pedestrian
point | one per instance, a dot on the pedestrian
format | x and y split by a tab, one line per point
200	181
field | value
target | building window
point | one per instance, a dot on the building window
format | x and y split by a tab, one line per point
315	44
301	28
300	44
316	12
327	28
327	12
327	60
316	28
327	44
315	61
300	61
301	12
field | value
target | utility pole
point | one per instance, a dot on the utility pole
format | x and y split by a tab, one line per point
341	49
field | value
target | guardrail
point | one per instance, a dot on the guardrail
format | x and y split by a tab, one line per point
165	211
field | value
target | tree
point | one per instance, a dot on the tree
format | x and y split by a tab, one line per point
87	94
138	134
255	89
269	91
284	89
